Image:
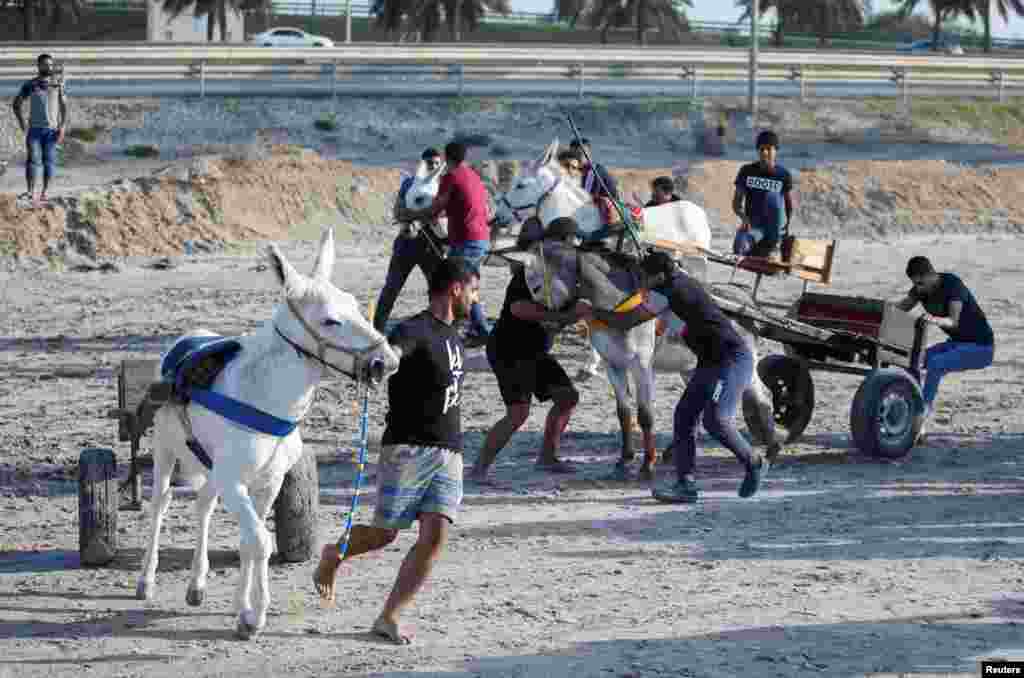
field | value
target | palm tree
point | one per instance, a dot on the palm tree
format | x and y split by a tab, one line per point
821	17
215	11
428	15
943	10
1003	7
642	14
48	13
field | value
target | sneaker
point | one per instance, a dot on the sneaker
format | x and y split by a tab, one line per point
475	339
752	481
683	492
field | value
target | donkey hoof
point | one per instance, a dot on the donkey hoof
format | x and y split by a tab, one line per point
247	625
144	590
195	597
646	473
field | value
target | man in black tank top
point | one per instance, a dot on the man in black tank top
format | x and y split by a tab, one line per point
419	474
725	367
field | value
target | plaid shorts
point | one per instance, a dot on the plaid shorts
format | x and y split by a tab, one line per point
415	479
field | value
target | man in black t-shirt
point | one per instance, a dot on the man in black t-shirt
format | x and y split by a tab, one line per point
948	304
725	367
419	474
518	351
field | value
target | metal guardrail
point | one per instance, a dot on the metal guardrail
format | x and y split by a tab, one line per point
457	64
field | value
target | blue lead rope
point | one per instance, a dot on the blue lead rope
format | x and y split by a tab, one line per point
363	442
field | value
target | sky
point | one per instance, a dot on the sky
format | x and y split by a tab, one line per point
725	10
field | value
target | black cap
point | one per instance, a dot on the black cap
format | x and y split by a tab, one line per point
582	141
430	153
767	138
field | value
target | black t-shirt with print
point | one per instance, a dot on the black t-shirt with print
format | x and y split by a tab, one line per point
513	337
425	394
709	332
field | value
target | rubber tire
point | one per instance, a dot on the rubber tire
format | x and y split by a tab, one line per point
865	410
97	506
797	379
295	511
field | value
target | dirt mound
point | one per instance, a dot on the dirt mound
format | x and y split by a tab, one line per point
287	195
290	192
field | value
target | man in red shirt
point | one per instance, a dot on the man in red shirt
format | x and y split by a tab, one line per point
463	197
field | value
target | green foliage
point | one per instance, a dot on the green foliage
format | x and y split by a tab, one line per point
327	122
143	151
86	134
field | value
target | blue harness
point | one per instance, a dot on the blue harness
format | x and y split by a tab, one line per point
177	369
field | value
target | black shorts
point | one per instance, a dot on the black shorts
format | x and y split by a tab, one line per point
763	248
541	377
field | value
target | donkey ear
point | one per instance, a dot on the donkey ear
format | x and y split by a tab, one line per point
550	153
286	274
324	266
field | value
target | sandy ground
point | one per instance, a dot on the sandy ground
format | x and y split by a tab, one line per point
841	566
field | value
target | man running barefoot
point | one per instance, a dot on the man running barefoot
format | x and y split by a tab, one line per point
420	469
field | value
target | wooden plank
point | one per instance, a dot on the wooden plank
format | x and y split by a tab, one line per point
898	327
810	253
134	381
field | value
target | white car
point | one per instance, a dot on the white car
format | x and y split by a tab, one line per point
290	37
924	47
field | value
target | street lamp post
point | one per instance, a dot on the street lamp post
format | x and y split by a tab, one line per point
755	11
348	21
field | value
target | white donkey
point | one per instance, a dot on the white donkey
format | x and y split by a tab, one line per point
549	191
559	275
425	184
277	368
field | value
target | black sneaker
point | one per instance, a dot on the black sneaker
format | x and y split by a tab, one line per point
752	481
683	492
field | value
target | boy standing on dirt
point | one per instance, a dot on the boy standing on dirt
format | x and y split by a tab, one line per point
46	126
420	468
949	305
519	353
724	370
762	201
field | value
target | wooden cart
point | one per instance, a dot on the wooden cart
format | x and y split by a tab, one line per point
860	336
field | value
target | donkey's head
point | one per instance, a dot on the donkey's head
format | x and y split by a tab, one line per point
425	185
529	186
324	324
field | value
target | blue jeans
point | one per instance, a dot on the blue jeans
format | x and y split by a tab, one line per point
753	243
42	155
406	254
714	391
474	252
952	356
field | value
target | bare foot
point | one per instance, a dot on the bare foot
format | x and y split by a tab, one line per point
327	572
389	630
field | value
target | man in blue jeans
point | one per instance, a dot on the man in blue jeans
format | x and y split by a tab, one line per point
949	305
464	198
46	126
762	201
725	367
412	248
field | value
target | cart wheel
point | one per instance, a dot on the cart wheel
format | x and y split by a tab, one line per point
887	413
792	389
